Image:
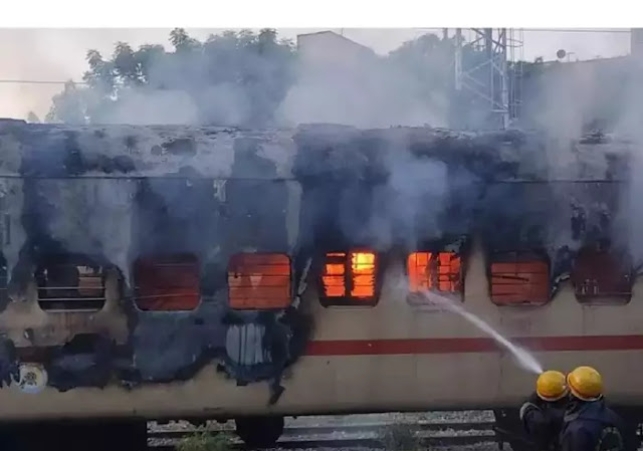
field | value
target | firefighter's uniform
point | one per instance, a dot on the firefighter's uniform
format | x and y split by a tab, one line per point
589	425
542	414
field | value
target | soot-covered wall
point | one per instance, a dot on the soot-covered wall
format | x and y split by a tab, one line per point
117	194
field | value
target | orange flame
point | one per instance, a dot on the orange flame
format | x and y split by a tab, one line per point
361	273
434	270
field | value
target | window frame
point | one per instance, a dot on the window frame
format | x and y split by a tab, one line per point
604	298
348	300
458	293
517	257
48	261
291	291
161	257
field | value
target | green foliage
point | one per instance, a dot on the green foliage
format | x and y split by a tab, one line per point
234	78
32	118
257	67
202	440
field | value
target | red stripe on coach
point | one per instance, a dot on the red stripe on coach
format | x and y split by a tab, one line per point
471	345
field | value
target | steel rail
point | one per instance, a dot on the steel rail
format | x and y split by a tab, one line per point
301	437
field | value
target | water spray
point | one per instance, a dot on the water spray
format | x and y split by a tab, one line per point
524	359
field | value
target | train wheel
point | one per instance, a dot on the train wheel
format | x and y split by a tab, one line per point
260	432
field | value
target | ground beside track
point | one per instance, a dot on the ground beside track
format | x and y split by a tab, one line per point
342	421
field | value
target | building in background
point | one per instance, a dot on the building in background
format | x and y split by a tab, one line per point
636	42
327	48
343	82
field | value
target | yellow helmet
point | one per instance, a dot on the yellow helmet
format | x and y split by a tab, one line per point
551	386
585	383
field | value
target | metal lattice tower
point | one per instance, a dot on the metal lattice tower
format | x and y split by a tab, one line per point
487	72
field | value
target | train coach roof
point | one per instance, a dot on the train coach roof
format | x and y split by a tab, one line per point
54	150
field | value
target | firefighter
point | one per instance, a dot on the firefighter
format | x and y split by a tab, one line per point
542	414
588	423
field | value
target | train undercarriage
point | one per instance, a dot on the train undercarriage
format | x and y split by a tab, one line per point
256	432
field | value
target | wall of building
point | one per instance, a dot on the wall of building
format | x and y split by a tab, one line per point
331	49
343	82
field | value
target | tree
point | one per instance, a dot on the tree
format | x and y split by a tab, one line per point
242	78
230	79
33	118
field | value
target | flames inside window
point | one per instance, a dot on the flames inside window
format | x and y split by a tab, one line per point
167	283
439	271
68	286
259	281
350	276
599	276
519	279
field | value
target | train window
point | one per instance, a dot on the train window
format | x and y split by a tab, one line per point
441	271
259	281
349	278
598	276
69	286
519	278
167	283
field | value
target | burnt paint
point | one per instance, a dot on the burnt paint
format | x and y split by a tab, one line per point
346	182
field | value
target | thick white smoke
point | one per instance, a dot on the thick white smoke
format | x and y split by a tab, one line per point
345	83
570	100
342	82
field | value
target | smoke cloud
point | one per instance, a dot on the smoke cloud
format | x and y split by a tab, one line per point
333	81
359	88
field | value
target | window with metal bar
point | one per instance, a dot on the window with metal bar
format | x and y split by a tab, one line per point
438	271
519	279
69	286
598	276
349	278
259	281
167	283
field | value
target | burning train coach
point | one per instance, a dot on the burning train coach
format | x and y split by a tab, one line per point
199	272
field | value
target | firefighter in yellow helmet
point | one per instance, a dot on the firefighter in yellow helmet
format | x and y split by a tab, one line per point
542	414
588	423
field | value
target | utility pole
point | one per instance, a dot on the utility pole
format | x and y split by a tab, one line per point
486	78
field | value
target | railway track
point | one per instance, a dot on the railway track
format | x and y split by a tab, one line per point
352	435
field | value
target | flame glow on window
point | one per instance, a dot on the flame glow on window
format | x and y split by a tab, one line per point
352	273
167	283
434	271
334	274
259	281
522	281
363	269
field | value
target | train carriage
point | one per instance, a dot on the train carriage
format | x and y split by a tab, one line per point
166	272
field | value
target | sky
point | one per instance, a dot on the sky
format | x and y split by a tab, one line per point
59	54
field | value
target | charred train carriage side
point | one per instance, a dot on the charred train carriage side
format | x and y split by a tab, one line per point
172	272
